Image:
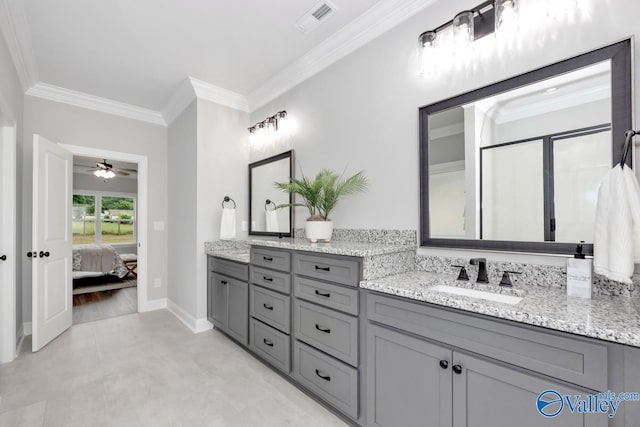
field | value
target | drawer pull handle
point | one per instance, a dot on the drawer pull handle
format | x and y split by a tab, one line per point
267	306
267	258
267	279
322	294
267	342
323	268
323	376
321	329
457	369
224	282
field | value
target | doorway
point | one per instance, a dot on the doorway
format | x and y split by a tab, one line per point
105	227
136	243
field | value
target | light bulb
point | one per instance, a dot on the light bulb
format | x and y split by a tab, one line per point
427	53
463	35
506	19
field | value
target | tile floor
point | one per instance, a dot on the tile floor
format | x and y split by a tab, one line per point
148	369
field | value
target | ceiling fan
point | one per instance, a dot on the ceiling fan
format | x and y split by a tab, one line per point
106	170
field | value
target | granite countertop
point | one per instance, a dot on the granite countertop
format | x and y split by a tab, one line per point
609	318
358	249
238	255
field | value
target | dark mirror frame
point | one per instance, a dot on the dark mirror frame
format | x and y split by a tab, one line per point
285	155
621	102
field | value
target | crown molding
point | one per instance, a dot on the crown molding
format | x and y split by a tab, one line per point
191	89
14	28
180	100
96	103
379	19
219	95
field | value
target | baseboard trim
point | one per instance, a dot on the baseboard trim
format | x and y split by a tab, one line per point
154	304
26	329
196	325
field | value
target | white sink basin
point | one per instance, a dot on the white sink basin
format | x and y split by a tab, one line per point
473	293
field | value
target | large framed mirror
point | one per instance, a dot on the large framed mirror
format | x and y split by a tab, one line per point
516	165
266	219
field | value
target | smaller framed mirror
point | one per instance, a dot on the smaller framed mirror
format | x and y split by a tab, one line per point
264	198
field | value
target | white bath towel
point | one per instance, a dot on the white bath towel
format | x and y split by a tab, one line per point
616	240
228	224
271	217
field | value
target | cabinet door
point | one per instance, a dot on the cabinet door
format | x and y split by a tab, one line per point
406	384
219	299
490	394
238	311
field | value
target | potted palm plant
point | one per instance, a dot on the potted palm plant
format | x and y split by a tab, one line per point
320	197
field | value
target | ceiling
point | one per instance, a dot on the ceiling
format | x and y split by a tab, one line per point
139	52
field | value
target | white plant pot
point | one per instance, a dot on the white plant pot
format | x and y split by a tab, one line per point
319	230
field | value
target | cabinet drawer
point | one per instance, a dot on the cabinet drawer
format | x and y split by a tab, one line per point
330	379
270	258
232	269
270	307
326	294
270	344
576	360
338	269
332	332
280	282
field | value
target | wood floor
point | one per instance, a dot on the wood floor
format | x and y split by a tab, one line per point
100	305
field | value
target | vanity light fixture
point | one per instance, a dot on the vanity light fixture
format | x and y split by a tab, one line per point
272	127
454	39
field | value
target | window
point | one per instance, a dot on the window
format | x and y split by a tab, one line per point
104	219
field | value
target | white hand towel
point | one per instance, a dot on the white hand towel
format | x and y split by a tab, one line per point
271	218
616	241
228	224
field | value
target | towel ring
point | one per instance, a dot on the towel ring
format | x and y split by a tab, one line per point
627	145
269	202
228	199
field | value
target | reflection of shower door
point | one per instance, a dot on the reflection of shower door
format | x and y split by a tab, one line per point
580	161
544	188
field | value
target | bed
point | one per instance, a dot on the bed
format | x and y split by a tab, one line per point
97	260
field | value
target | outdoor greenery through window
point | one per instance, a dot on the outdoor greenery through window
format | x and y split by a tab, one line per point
103	219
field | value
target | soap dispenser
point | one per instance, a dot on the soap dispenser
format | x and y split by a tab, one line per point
579	274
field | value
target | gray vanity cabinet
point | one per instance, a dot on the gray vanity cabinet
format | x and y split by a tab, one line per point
425	372
487	393
412	382
228	298
270	306
218	300
406	384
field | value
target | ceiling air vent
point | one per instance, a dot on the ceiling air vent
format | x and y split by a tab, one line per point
314	17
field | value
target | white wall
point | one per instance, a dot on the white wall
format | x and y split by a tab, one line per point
11	111
223	170
362	110
66	124
209	156
86	182
182	201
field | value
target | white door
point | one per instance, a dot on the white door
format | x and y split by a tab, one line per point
52	280
7	244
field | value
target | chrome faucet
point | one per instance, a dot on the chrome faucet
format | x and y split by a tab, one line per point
482	269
